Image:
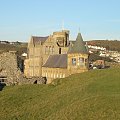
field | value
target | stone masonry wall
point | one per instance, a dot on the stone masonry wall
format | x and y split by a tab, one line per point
9	69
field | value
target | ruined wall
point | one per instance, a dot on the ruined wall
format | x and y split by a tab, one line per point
9	69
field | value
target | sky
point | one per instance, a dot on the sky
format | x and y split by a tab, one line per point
95	19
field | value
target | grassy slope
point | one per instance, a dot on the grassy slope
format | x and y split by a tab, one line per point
88	96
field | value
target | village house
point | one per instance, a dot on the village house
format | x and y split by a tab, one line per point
55	56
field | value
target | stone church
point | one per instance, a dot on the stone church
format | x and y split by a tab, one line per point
55	56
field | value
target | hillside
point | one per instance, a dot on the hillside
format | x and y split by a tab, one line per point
20	48
88	96
108	44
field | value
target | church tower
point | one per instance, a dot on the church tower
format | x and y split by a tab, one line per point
78	56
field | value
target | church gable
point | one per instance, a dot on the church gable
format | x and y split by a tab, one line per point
49	46
38	40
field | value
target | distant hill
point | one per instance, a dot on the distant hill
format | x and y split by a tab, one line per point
109	44
21	47
93	95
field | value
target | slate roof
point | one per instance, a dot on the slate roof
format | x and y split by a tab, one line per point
38	40
79	46
56	61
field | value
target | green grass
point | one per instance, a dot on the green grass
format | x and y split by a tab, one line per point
94	95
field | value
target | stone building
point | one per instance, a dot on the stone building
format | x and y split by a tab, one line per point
55	56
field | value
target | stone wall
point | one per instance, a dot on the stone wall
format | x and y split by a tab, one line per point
79	66
53	73
9	69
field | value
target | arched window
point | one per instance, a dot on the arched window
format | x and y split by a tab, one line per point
86	62
81	60
63	75
53	50
54	75
51	75
50	49
46	50
59	50
57	76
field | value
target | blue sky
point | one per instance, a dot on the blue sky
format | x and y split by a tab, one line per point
97	19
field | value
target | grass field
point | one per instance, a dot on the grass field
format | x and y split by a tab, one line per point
94	95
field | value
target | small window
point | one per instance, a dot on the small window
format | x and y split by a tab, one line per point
59	50
86	62
52	49
81	60
46	50
73	61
